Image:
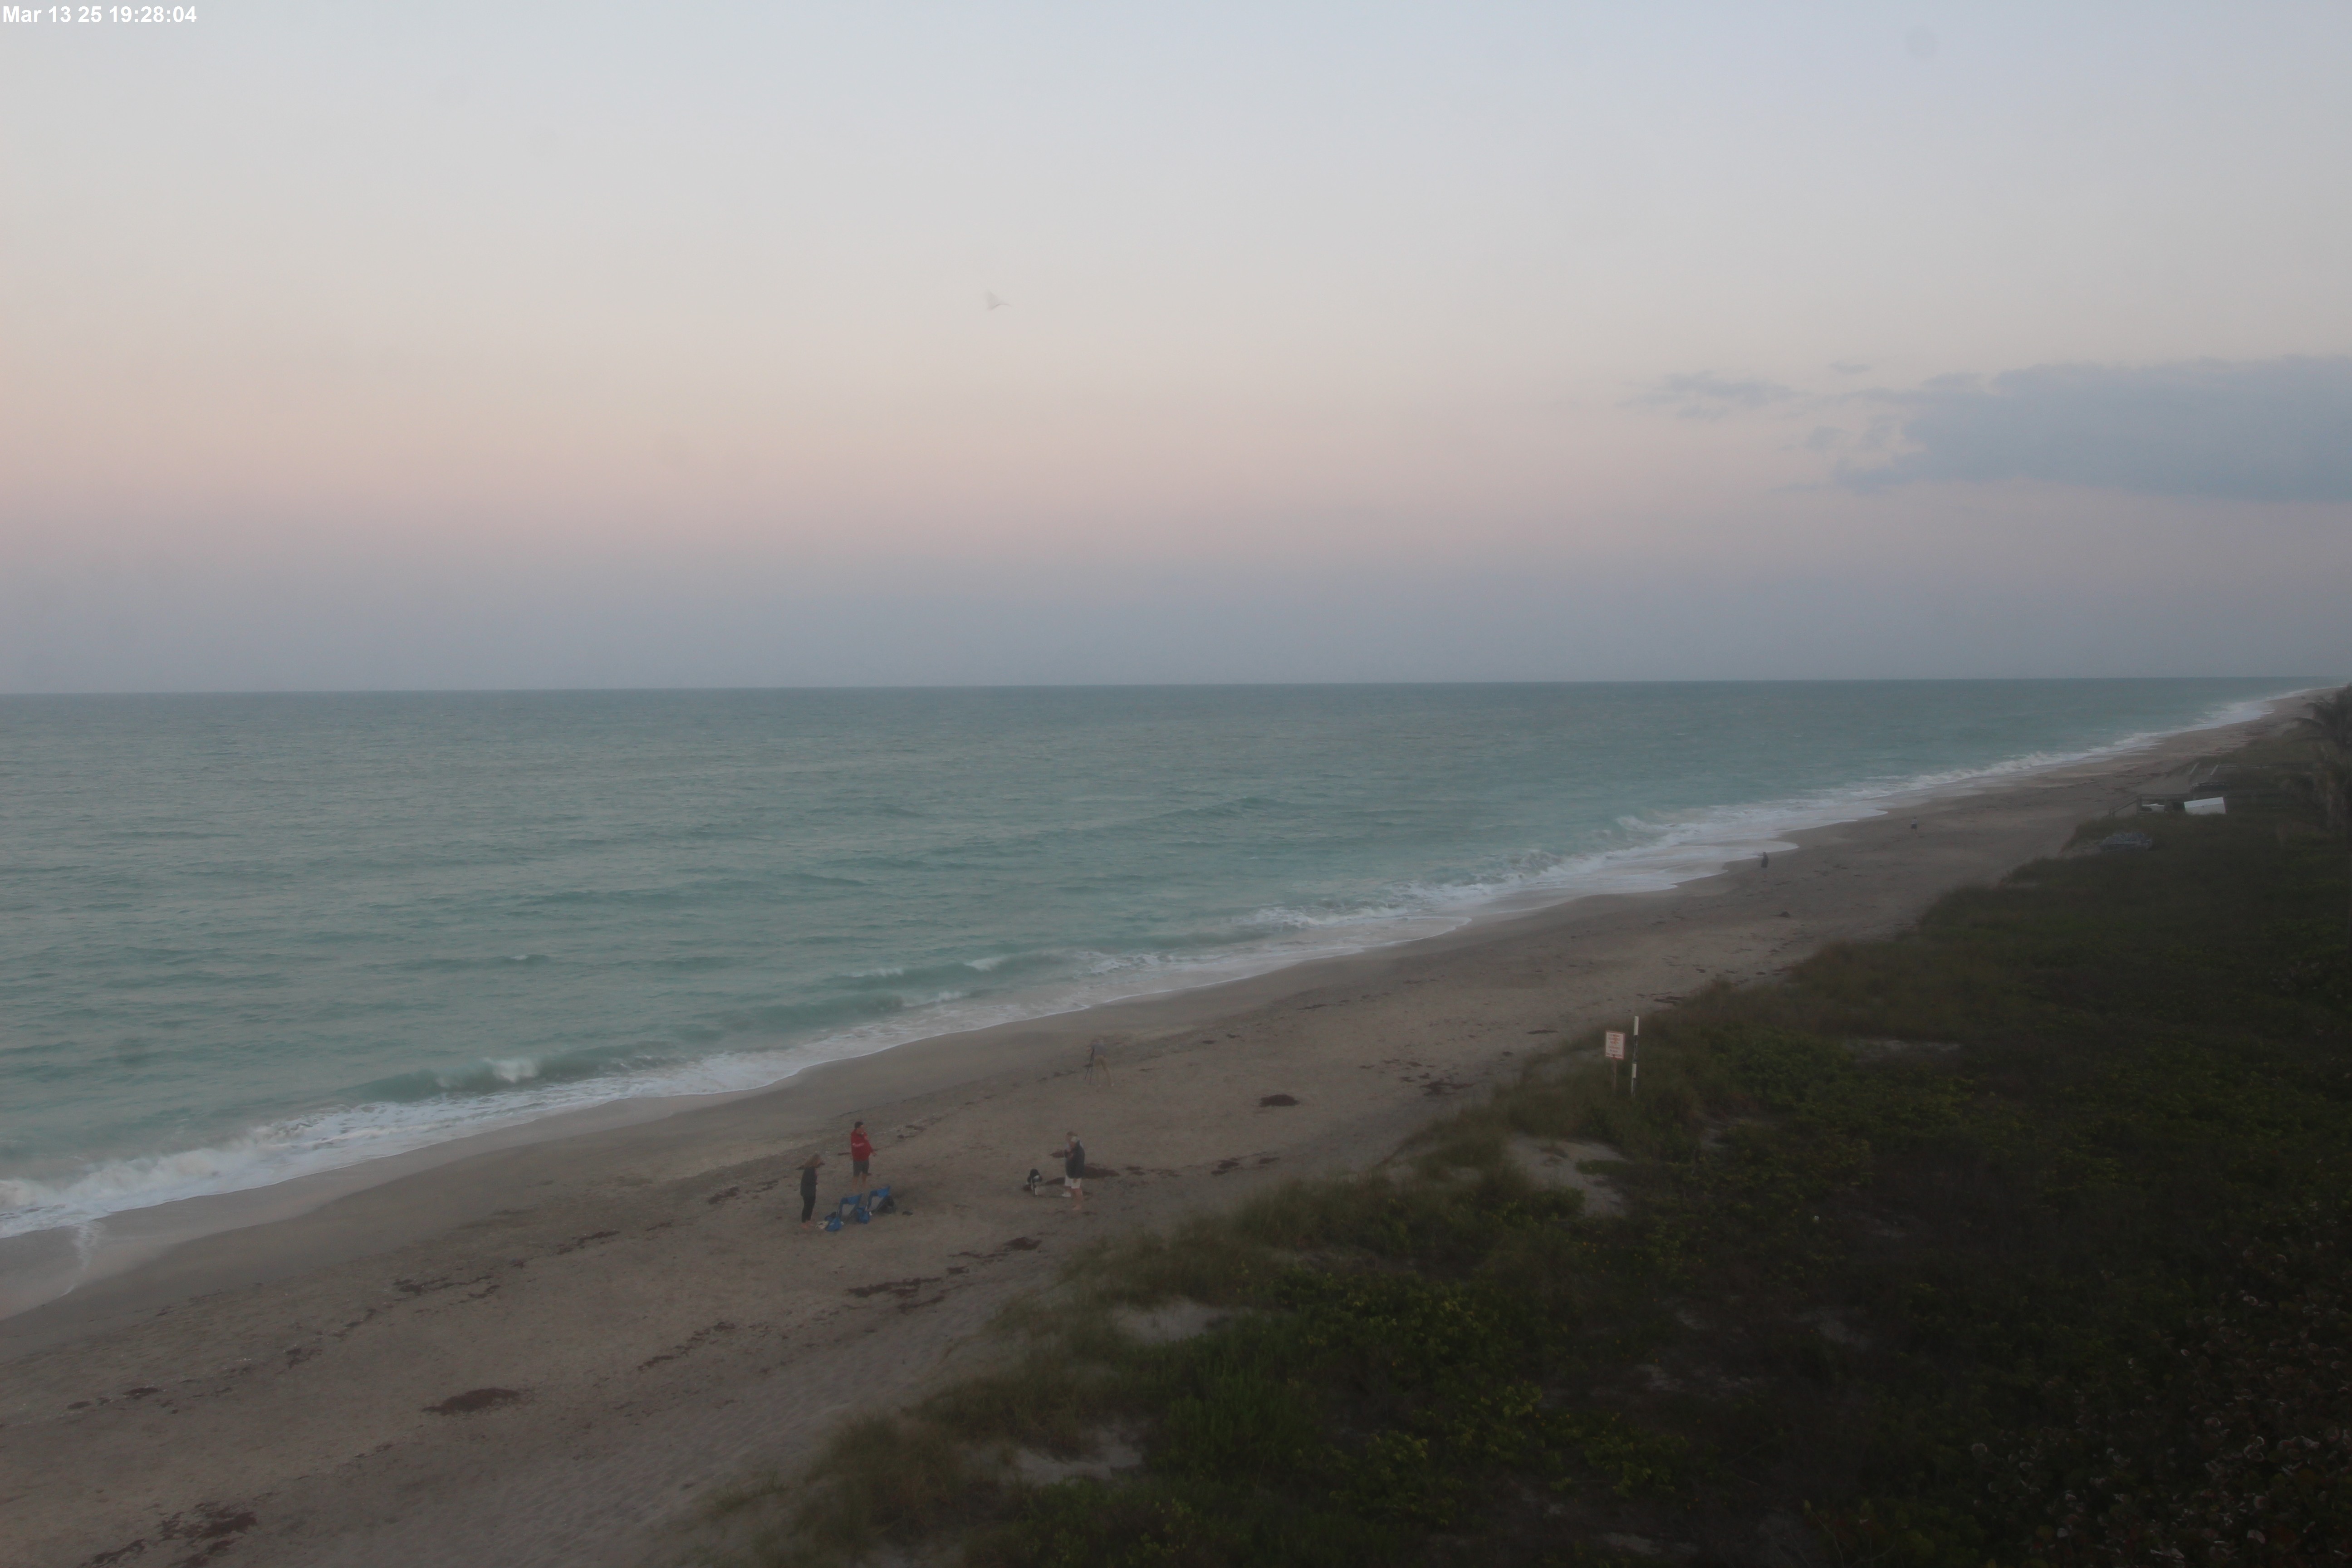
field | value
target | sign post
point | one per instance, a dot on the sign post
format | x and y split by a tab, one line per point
1634	1069
1612	1044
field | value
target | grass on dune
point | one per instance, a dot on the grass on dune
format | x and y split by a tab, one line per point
2018	1238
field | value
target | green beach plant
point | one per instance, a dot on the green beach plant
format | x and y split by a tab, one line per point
2328	720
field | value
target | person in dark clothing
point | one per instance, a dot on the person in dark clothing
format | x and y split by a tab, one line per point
808	1188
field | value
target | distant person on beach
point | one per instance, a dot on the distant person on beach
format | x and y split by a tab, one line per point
1767	866
861	1151
1097	1061
808	1188
1074	1170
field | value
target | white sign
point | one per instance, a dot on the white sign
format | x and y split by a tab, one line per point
1614	1044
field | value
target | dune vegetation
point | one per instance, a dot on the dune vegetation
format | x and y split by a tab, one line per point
2019	1239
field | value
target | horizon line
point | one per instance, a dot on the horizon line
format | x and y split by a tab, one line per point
1136	686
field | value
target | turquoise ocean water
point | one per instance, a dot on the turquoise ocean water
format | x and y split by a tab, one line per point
245	937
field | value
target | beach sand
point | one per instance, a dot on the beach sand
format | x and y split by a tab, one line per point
548	1350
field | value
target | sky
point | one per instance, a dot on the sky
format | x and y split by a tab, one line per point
899	342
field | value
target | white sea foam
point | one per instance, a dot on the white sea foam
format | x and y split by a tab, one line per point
1668	850
1660	852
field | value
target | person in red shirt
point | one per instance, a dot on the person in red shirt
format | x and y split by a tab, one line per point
861	1150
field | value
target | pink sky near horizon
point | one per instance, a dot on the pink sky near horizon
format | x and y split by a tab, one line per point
407	307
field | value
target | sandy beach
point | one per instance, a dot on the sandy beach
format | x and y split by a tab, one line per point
546	1350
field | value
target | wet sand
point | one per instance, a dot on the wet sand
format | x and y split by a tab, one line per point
545	1350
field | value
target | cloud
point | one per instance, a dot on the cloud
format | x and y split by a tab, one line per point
1708	396
2278	429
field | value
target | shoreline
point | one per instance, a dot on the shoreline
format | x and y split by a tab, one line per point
44	1264
639	1306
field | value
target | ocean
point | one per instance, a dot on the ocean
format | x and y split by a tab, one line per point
245	937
